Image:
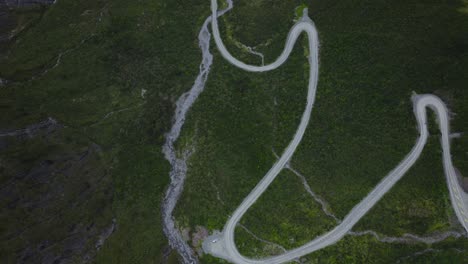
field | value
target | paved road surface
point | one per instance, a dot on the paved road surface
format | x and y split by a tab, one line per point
222	245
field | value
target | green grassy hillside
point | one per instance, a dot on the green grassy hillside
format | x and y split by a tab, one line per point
109	72
373	55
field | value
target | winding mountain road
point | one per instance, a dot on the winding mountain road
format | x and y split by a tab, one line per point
223	245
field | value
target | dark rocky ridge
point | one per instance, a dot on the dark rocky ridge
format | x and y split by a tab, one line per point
7	21
54	197
9	16
27	3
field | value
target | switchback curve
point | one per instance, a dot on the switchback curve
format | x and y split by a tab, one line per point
223	245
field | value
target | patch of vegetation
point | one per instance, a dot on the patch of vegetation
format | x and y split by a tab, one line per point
373	56
86	64
292	213
300	10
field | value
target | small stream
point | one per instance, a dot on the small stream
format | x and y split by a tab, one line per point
179	164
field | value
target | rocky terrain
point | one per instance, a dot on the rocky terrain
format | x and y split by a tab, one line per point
55	191
58	193
15	15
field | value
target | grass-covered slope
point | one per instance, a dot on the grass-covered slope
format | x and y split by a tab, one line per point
109	73
373	55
